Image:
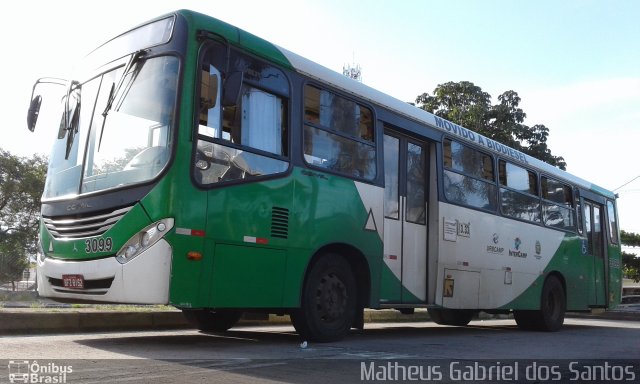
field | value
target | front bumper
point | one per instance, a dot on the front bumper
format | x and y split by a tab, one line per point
143	280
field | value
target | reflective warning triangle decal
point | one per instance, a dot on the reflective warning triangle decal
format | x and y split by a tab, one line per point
371	222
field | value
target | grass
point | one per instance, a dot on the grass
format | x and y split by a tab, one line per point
40	307
25	301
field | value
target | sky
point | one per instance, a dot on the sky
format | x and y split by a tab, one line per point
574	64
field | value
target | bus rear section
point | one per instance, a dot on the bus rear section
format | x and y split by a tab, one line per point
518	237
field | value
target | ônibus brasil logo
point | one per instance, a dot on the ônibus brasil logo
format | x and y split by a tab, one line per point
23	371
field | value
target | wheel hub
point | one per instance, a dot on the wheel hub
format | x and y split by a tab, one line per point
331	297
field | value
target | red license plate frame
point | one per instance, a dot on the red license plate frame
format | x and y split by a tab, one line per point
73	281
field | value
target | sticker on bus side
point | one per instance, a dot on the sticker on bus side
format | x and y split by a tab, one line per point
464	229
450	230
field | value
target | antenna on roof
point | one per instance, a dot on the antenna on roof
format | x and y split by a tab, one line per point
353	70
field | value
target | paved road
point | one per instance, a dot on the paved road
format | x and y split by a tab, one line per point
274	354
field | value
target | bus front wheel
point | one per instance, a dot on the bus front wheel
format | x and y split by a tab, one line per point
210	320
329	300
550	316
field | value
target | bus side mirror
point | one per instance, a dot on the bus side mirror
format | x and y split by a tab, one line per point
34	111
36	101
232	87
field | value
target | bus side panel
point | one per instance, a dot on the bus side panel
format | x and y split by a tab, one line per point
573	268
248	231
509	255
245	276
330	209
188	206
244	265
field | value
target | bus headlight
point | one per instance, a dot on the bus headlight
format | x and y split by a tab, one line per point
41	255
143	240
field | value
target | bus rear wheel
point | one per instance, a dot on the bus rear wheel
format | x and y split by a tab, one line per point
458	317
329	300
550	316
210	320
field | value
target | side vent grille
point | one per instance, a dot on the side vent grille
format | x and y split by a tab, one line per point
280	222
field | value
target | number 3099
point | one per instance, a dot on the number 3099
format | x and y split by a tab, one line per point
98	245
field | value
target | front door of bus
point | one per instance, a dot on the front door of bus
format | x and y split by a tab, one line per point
404	279
593	218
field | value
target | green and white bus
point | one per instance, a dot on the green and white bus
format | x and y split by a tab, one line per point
200	166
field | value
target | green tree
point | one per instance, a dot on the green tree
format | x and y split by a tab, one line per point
631	266
13	259
630	239
463	103
630	261
21	185
466	104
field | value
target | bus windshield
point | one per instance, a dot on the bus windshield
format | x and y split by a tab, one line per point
124	132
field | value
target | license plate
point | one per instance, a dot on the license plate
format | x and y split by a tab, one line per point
73	281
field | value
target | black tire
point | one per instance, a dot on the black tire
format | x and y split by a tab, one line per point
525	319
553	305
329	301
457	317
210	320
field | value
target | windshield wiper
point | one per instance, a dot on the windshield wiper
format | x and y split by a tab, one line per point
71	118
115	89
135	58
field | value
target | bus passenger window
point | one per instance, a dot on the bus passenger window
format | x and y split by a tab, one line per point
588	208
468	176
338	134
519	192
613	223
597	231
557	204
245	139
391	174
416	203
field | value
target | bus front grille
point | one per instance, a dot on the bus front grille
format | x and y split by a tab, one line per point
78	226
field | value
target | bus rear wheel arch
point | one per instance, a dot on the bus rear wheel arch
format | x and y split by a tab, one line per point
553	305
329	302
